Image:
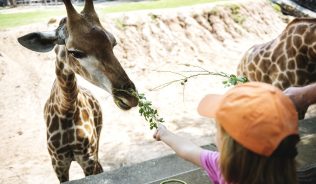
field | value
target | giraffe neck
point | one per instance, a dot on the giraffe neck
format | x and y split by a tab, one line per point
65	86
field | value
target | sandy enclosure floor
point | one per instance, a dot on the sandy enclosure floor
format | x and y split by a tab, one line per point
164	40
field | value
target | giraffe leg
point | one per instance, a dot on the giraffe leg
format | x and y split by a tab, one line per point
61	168
97	168
89	164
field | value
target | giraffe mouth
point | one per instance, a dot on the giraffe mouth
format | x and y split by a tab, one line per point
122	103
125	99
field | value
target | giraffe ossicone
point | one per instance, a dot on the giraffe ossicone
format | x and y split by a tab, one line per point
73	116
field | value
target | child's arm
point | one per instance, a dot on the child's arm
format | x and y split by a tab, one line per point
183	147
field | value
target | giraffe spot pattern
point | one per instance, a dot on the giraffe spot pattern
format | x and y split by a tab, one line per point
291	64
87	127
290	31
54	125
266	79
291	51
304	49
66	124
267	55
277	51
311	68
53	161
273	70
61	157
80	135
302	61
63	149
85	115
291	76
300	29
55	144
281	62
265	64
56	137
284	80
308	38
297	41
71	135
311	54
301	76
48	120
258	76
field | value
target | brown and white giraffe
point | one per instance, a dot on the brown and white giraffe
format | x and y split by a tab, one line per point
73	116
288	60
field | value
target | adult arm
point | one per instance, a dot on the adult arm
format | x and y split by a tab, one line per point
183	147
302	97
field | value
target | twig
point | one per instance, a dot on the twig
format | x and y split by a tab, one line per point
230	79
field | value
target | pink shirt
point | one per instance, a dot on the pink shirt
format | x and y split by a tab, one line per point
209	162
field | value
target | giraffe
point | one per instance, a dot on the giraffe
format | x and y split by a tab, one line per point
73	116
288	60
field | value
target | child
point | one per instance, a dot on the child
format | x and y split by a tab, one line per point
257	136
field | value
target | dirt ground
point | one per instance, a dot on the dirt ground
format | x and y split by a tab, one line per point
211	36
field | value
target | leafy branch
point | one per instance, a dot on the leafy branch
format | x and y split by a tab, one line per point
145	109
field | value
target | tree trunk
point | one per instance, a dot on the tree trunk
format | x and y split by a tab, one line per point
12	3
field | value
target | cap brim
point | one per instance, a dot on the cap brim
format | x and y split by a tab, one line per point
209	105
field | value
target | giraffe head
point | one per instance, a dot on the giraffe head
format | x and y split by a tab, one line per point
86	48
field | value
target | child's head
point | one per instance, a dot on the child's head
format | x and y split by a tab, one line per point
258	133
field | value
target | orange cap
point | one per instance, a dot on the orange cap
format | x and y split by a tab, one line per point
256	115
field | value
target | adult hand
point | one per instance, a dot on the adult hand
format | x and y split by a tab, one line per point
297	95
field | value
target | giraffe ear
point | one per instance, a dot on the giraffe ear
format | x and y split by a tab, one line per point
39	41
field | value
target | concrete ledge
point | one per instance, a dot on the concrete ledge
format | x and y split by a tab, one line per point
307	145
196	176
151	172
306	159
157	170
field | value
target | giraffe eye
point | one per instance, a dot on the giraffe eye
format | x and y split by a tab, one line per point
77	54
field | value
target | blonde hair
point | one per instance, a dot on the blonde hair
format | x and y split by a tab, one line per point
242	166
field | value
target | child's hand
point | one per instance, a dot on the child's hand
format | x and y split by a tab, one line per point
160	131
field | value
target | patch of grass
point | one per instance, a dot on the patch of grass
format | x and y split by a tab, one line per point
153	16
155	4
276	7
214	12
237	17
18	19
8	20
120	24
